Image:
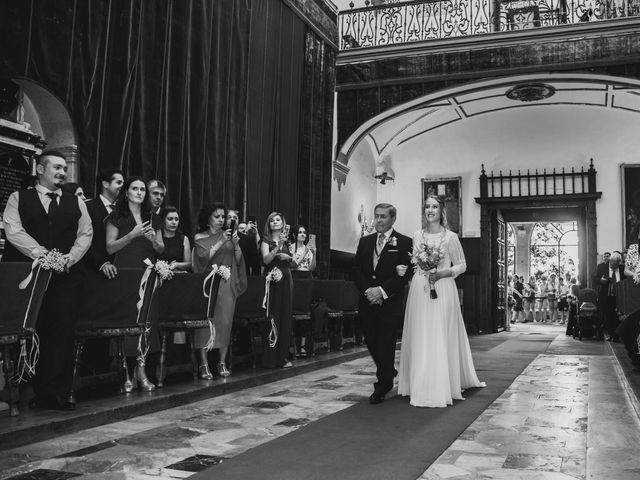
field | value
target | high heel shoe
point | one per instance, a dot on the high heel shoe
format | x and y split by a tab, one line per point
222	370
128	384
140	379
205	373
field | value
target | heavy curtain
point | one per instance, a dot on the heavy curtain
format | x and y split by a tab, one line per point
225	100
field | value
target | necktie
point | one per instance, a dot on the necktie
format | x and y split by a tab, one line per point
612	284
53	206
378	250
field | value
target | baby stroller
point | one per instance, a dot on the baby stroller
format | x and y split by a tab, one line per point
588	321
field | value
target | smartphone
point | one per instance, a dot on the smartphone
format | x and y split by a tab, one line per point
145	216
285	231
232	225
252	218
312	240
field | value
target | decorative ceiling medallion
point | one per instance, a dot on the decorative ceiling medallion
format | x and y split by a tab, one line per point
530	92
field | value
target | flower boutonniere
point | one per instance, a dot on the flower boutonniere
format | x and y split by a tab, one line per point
393	241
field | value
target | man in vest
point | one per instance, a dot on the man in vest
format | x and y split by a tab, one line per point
36	221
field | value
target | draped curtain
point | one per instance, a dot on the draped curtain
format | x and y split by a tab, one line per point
216	98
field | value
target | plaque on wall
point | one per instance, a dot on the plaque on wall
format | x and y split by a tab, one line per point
14	170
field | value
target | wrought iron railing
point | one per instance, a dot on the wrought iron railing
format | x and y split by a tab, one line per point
419	20
535	184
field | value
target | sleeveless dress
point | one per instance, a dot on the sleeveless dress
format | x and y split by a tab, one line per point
280	300
435	359
302	271
133	255
173	248
228	291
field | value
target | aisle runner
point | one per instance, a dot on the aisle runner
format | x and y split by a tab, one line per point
391	441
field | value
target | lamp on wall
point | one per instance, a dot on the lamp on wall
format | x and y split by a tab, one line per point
384	177
386	170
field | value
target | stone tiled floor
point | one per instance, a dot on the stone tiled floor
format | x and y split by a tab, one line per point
567	416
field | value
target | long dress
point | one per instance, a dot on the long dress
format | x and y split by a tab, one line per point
228	291
435	359
280	301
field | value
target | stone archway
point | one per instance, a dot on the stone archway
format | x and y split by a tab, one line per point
49	118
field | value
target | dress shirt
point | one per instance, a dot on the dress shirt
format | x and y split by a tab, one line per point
614	276
107	204
27	245
376	254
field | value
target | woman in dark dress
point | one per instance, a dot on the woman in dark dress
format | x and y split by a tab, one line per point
177	248
302	266
134	234
275	254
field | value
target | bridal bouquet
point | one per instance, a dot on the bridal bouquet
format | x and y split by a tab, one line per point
164	269
427	257
53	260
274	275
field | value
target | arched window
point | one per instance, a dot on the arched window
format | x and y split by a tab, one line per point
554	249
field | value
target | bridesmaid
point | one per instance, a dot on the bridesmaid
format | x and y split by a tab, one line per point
275	254
177	249
217	245
133	234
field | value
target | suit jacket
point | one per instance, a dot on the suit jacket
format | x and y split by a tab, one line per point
97	254
384	274
602	270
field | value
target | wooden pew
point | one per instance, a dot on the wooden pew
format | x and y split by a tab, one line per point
109	309
628	296
182	307
332	292
18	315
250	314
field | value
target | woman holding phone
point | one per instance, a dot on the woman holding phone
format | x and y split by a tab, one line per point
276	255
303	253
216	243
133	234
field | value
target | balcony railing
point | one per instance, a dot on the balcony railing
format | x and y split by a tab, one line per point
419	20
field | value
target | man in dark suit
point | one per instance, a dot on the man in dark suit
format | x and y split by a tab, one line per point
37	221
157	194
607	276
381	271
108	186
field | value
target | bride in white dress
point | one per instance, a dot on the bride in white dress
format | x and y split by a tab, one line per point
435	359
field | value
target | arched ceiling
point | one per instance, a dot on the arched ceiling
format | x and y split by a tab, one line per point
412	120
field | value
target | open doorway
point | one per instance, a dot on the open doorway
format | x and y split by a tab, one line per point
542	263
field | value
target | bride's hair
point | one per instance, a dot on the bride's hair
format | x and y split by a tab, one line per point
443	213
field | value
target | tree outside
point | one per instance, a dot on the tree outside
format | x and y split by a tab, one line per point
554	249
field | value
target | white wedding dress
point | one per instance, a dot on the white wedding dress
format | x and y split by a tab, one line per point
435	359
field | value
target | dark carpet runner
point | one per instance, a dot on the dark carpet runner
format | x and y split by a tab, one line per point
390	441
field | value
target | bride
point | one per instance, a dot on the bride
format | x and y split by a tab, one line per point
435	359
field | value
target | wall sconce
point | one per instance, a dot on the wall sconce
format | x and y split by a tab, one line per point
384	177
